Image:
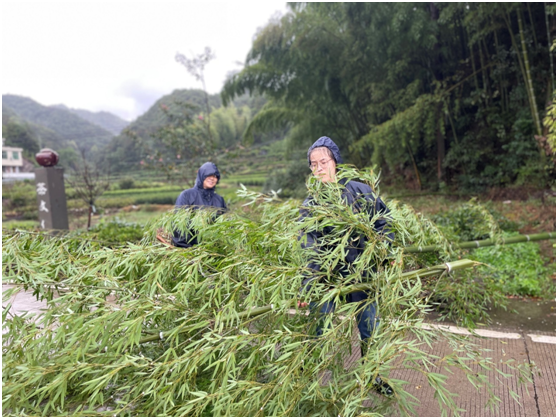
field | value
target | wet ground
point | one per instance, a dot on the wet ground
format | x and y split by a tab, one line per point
520	315
525	315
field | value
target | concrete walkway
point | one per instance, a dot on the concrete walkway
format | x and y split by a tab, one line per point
539	400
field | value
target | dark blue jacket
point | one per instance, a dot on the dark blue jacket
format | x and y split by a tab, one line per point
198	197
357	195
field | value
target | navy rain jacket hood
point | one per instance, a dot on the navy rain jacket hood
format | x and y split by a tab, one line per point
326	142
198	197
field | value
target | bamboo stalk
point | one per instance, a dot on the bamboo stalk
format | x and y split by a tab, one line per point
472	58
485	84
530	90
532	25
417	173
164	334
549	47
421	273
507	20
484	243
500	86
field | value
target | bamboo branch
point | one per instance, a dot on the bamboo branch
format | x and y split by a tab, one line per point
484	243
258	311
421	273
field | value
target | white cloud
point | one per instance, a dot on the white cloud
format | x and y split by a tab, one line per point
117	56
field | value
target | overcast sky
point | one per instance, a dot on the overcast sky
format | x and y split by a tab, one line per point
120	56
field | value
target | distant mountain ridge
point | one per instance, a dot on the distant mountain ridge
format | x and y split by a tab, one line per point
71	129
106	120
155	118
40	136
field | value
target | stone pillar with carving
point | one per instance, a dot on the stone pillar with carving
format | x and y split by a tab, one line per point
51	195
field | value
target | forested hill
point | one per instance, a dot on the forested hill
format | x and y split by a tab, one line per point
19	132
155	116
185	110
106	120
70	130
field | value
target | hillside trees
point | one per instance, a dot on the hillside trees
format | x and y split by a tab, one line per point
229	124
19	134
172	137
140	140
184	138
450	92
68	128
14	125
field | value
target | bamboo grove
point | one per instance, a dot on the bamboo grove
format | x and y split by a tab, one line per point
439	94
151	330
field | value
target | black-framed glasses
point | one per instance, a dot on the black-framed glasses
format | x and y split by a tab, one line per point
314	164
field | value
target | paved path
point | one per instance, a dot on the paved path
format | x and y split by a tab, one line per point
539	400
528	346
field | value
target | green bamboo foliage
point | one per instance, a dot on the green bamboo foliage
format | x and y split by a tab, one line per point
148	330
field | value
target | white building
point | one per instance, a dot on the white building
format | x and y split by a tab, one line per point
12	160
13	165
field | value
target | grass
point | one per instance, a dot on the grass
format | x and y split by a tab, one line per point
143	191
518	269
20	224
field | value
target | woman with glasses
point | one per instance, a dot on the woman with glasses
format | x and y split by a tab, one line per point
323	157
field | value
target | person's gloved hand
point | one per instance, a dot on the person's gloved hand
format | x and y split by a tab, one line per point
301	304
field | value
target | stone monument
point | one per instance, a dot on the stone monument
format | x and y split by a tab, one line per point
51	195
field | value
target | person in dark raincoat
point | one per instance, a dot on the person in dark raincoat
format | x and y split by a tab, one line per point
201	195
323	156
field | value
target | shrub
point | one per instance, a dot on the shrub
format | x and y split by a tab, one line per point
517	269
30	215
118	232
291	180
126	183
150	208
472	221
156	199
143	191
20	225
19	194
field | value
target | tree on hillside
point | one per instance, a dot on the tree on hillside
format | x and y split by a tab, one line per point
184	139
60	122
196	66
229	124
88	182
